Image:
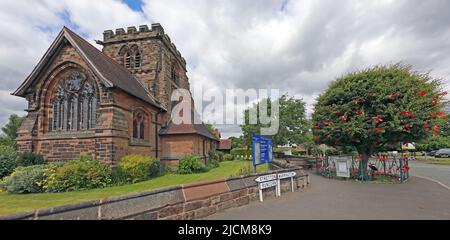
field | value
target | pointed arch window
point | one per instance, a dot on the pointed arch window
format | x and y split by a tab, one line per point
131	56
74	104
139	126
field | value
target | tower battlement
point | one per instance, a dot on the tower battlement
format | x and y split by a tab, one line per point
143	32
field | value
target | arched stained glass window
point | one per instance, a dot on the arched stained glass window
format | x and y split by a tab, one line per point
74	104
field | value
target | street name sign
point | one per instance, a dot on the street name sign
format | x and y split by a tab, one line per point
266	178
283	176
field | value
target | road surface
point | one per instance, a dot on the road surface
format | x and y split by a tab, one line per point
437	173
333	199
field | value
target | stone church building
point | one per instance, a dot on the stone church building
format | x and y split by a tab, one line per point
109	103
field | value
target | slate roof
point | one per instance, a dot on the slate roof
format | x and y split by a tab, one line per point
196	128
108	70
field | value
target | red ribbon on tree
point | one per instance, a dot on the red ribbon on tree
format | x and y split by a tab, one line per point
405	168
378	119
343	117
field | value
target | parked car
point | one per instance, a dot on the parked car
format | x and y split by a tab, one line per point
441	153
431	153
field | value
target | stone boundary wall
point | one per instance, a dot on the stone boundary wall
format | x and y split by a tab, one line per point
183	202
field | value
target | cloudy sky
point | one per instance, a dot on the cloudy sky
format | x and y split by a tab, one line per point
295	46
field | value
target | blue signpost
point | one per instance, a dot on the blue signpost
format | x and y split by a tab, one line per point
262	150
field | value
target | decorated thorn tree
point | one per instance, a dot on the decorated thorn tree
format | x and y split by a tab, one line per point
378	108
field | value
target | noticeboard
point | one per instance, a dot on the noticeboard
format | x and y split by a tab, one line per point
262	150
342	166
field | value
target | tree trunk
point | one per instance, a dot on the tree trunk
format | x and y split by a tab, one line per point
363	166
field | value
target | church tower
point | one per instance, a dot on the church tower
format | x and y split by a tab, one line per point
151	56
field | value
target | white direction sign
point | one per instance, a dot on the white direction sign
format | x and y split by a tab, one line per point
286	175
268	184
266	178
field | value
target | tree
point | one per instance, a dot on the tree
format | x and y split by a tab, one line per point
212	130
10	129
433	143
236	142
292	122
378	108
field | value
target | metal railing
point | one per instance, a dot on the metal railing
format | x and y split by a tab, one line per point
382	165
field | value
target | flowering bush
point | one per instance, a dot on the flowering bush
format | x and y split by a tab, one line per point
135	168
79	174
26	180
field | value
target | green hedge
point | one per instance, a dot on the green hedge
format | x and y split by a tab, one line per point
239	152
228	157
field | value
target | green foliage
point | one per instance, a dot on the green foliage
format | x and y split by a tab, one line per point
246	169
10	130
228	157
433	143
79	174
26	180
241	151
237	142
118	177
292	121
29	158
190	164
215	155
138	168
8	160
212	163
171	169
377	108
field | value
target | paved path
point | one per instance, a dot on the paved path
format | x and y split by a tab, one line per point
439	173
333	199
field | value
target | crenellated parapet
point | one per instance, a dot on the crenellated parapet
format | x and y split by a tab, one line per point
143	32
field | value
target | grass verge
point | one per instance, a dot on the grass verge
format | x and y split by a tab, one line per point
15	203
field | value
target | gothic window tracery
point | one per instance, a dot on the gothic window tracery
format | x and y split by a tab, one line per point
74	104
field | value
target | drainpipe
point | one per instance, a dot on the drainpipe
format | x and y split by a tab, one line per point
156	133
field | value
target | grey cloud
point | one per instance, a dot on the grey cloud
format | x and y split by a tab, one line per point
296	46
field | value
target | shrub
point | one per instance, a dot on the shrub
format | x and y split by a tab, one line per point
29	158
138	167
212	163
79	174
8	160
28	179
228	157
118	177
190	164
3	184
171	169
215	155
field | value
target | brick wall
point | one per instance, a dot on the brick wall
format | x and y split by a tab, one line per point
191	201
